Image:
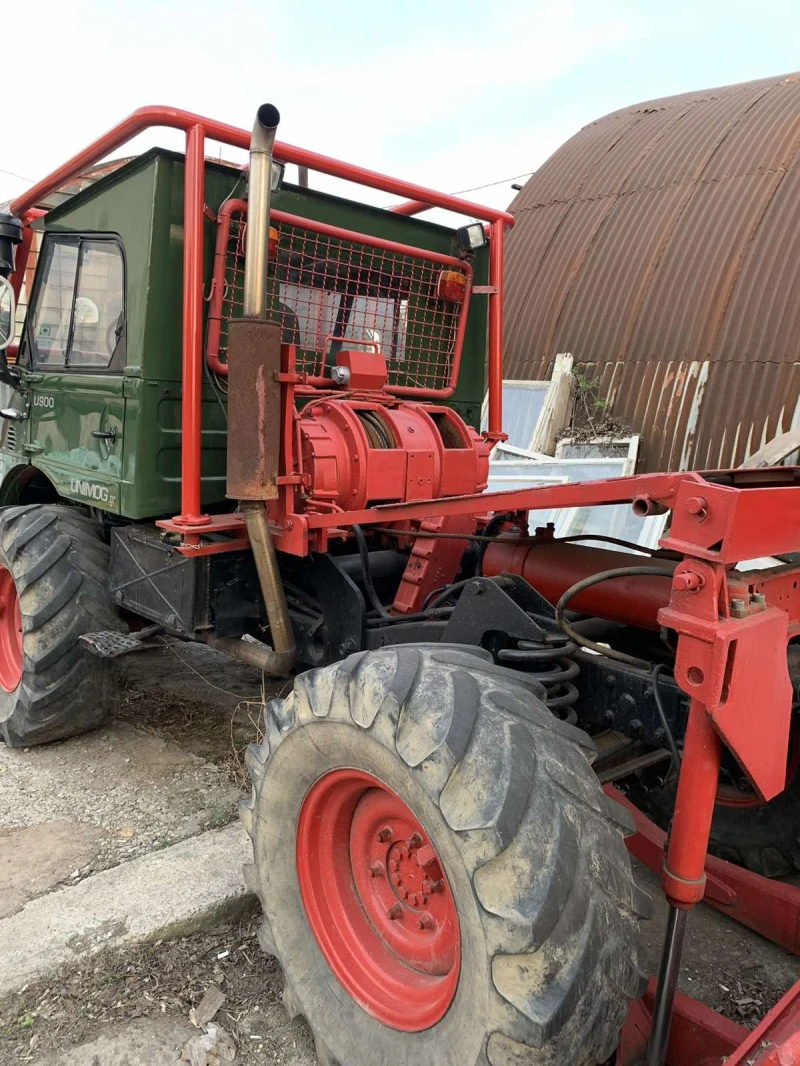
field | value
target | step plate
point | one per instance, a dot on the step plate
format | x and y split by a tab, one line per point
110	645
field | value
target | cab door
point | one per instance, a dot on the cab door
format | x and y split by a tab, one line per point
75	356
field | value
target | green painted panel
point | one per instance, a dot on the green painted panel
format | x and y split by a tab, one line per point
66	410
143	204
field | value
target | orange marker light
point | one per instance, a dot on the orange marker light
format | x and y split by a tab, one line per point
272	246
452	286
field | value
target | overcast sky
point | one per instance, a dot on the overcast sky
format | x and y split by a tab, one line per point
451	95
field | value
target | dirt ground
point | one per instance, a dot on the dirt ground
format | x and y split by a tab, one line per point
164	979
169	765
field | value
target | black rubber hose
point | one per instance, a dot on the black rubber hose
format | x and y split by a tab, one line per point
369	586
596	579
662	714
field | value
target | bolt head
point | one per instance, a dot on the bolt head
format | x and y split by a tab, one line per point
437	886
385	835
395	912
426	922
413	899
376	870
414	841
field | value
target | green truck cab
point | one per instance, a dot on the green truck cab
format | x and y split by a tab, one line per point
99	399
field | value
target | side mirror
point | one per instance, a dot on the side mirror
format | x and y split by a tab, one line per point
7	313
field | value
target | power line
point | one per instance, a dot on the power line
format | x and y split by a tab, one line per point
489	184
11	174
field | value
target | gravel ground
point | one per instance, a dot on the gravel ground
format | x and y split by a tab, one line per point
169	765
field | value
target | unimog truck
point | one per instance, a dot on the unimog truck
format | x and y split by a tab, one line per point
247	412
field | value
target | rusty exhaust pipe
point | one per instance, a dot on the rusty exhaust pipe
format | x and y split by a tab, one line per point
280	658
259	194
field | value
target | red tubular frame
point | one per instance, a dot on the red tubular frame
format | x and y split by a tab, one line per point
197	128
771	908
218	291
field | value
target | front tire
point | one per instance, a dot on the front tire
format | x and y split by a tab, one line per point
53	588
496	795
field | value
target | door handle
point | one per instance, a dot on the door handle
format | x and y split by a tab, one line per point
105	434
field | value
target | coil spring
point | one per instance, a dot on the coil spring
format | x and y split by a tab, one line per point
552	665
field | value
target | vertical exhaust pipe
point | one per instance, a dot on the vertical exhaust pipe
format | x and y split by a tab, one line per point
259	194
279	659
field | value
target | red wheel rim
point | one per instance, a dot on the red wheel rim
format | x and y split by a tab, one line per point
377	900
10	633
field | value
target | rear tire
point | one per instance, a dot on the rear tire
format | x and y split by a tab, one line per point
532	852
55	566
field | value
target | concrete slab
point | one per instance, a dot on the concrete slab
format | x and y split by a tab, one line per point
37	858
146	1042
178	890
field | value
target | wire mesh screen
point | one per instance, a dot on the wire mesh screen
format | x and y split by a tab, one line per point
329	293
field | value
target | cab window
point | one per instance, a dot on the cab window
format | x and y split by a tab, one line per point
78	316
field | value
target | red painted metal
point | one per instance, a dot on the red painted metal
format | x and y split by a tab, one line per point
192	368
432	562
343	452
367	370
552	567
730	665
698	1035
683	875
377	900
430	338
156	115
775	1041
495	353
197	128
771	908
10	633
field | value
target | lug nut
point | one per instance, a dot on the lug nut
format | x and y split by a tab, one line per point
414	841
376	870
395	912
385	835
395	865
413	899
426	922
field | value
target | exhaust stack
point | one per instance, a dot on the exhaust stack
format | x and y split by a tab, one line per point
254	416
259	193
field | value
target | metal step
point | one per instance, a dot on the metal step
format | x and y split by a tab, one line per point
108	644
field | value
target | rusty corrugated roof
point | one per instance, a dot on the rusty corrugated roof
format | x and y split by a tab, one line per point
661	247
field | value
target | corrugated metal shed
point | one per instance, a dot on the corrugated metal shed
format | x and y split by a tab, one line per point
661	247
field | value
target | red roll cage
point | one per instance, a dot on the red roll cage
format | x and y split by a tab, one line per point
197	128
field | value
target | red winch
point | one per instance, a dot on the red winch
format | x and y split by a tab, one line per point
360	449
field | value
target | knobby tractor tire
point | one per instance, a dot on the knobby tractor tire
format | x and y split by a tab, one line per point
531	851
763	837
54	579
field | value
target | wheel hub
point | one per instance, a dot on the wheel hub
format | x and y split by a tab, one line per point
377	900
